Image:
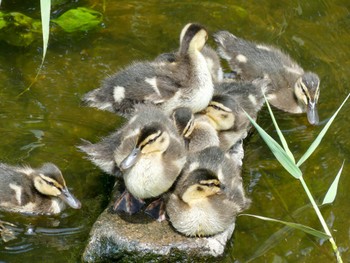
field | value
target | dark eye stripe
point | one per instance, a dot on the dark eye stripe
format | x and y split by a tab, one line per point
145	142
216	107
52	184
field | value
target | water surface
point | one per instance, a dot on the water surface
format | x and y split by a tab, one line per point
47	122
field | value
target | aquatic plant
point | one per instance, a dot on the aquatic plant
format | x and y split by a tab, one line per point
287	160
20	30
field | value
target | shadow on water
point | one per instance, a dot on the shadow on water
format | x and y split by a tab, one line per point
46	123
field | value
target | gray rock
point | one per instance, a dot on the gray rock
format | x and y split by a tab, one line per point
138	238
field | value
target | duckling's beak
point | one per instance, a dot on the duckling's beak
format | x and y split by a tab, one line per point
70	199
131	159
312	114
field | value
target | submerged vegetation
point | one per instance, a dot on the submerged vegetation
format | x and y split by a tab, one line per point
18	29
21	30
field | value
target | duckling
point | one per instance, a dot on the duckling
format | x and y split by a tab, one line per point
34	191
147	150
291	89
211	57
197	131
208	195
226	109
186	82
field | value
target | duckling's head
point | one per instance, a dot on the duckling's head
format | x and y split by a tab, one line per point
193	38
220	112
307	91
152	138
201	184
184	121
48	180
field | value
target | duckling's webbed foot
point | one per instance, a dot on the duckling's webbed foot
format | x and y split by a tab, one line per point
156	210
127	203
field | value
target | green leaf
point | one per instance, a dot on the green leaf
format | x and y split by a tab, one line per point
319	138
283	140
80	19
278	151
332	191
276	238
45	9
301	227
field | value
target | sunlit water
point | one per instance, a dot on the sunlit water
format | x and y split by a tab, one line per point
47	122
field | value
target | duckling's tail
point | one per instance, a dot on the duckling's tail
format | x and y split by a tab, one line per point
99	98
225	41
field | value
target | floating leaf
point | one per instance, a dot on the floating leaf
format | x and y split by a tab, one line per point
319	138
278	151
80	19
332	191
301	227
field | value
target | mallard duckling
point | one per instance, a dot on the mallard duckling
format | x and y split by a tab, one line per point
186	82
197	131
291	89
208	195
226	110
211	57
35	191
147	150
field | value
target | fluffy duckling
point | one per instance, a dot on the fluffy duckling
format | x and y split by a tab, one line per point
197	131
226	110
291	89
35	191
147	150
211	57
208	195
185	82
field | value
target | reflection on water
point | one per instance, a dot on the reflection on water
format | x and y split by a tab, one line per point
46	123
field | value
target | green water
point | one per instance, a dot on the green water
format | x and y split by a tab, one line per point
46	123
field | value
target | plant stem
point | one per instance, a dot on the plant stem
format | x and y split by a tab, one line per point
323	222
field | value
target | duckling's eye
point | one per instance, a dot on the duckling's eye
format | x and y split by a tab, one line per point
152	141
199	189
51	183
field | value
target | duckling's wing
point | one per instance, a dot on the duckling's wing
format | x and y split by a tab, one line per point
122	90
141	82
12	181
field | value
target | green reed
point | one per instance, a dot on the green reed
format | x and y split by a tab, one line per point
287	160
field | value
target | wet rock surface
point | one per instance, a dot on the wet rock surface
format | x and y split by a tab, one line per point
139	238
114	237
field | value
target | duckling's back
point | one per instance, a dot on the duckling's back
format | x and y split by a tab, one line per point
251	60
